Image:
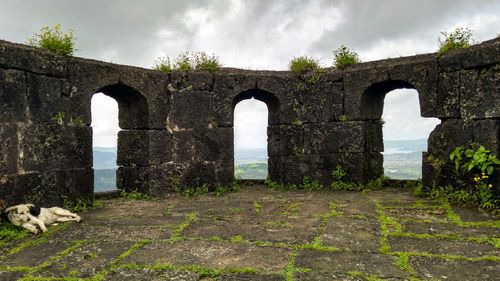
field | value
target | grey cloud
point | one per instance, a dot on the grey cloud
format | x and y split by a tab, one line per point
368	22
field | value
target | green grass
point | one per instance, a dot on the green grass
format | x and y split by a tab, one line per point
136	195
176	234
10	233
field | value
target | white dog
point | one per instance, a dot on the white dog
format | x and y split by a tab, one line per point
29	216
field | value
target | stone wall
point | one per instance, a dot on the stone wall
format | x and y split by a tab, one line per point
177	129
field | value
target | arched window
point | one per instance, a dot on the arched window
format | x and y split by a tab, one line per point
104	142
250	139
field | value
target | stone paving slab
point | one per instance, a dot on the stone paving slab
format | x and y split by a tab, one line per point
263	234
212	254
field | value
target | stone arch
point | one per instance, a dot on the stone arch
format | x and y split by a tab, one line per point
273	107
132	141
271	101
132	105
372	99
372	107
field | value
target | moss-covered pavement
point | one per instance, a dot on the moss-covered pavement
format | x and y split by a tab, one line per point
264	234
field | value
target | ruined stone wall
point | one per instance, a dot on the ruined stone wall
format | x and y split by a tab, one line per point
177	129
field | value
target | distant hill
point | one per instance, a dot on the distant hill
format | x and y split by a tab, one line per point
402	160
105	158
417	145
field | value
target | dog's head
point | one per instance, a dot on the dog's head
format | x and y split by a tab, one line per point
19	214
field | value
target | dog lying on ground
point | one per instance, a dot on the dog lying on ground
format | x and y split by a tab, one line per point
32	217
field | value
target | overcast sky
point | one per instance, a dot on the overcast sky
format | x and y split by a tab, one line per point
260	34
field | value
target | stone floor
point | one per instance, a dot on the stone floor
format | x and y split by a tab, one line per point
263	234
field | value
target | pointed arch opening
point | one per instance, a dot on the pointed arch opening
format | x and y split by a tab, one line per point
393	106
104	141
118	113
253	112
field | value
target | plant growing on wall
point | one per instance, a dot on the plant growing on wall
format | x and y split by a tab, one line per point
188	61
303	64
344	56
457	39
54	39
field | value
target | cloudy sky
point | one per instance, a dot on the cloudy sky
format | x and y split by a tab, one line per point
262	34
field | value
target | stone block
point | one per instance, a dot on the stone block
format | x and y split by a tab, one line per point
10	192
214	144
487	132
8	150
79	184
480	93
319	167
189	109
314	104
226	87
274	141
274	169
420	72
133	179
184	146
45	148
46	104
337	100
481	55
44	188
324	138
144	147
12	96
277	83
31	59
224	172
196	80
445	103
448	135
356	80
374	136
199	173
235	82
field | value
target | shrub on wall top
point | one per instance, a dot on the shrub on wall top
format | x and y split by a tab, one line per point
53	39
188	61
343	57
457	39
303	64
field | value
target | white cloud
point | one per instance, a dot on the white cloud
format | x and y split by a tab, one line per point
250	124
259	34
402	117
104	121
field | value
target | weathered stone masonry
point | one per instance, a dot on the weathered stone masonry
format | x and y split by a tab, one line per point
177	129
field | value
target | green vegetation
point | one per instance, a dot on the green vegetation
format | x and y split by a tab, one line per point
475	158
176	234
343	118
476	163
343	57
303	64
251	170
307	184
458	39
188	61
136	195
10	232
53	39
82	205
